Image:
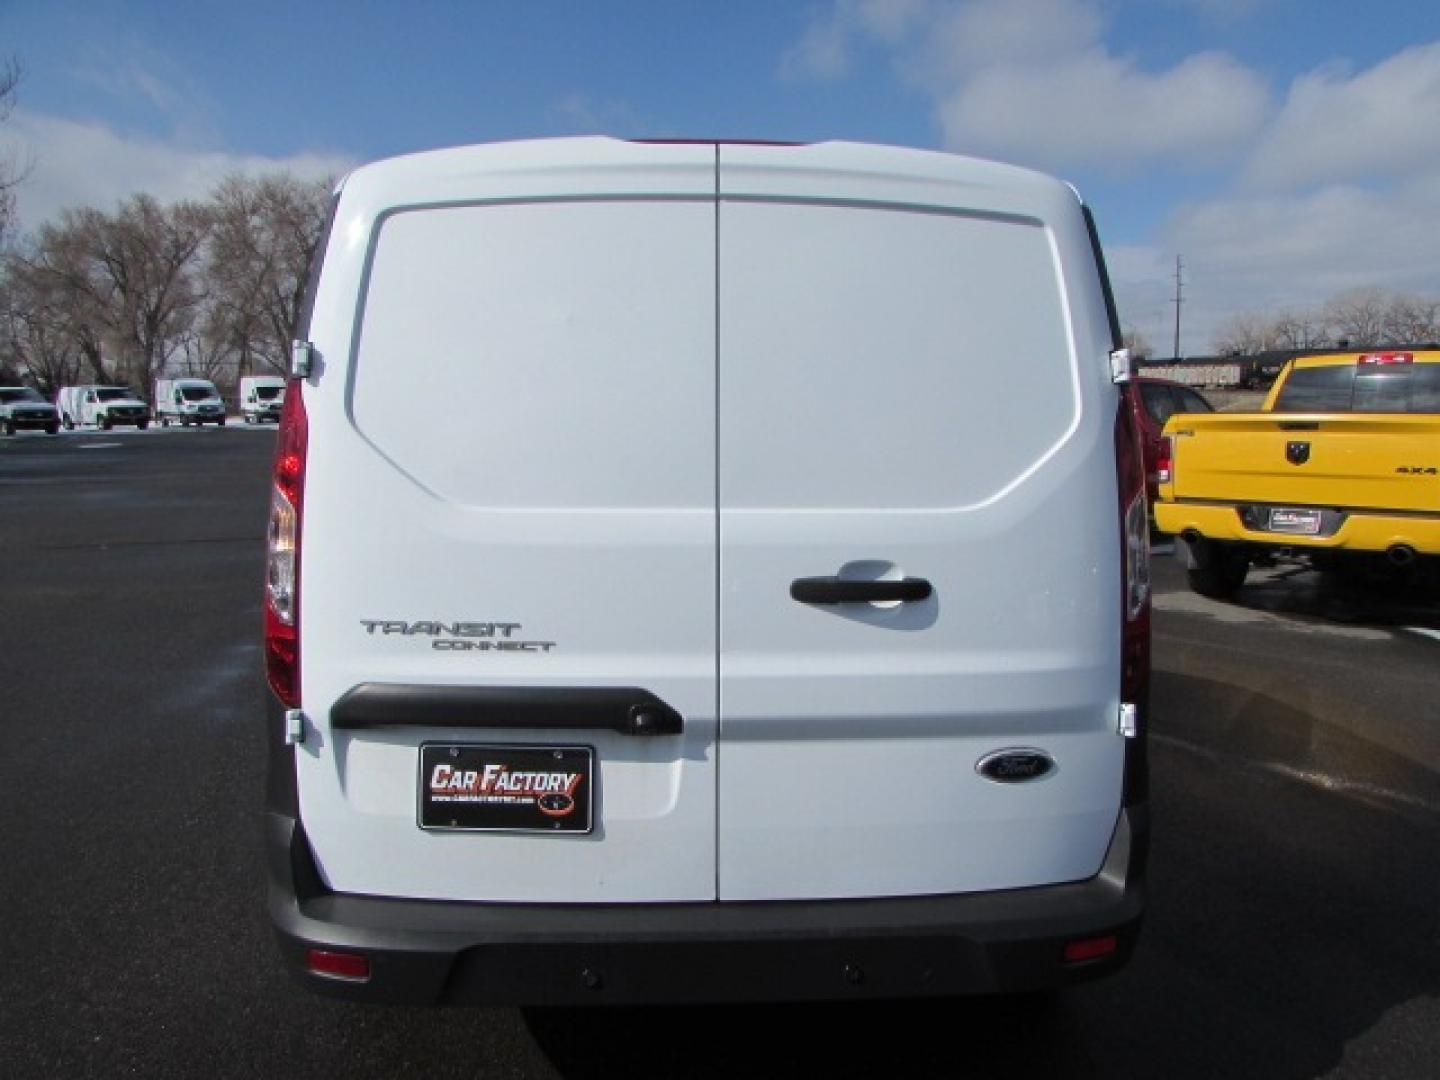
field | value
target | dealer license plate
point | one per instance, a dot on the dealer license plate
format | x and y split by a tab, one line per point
490	788
1300	522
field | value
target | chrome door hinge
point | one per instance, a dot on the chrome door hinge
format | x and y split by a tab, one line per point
294	727
1122	367
1129	720
302	353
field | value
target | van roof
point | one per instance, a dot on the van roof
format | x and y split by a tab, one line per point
458	173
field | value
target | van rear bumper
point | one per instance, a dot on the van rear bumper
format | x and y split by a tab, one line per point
436	952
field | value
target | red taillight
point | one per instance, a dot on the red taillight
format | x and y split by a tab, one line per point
1385	358
1091	948
338	965
282	569
1165	460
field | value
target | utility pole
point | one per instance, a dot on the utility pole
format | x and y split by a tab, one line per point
1179	299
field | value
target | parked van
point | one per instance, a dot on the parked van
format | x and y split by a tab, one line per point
772	624
188	401
107	406
261	398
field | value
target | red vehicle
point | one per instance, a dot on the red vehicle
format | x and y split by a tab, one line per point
1152	402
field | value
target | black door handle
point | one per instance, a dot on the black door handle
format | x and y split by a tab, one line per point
832	590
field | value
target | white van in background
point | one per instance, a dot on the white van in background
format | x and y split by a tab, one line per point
106	407
775	625
261	398
188	401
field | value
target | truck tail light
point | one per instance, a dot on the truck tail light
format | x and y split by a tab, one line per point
282	567
1165	460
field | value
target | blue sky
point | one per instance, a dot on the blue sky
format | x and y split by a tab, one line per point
1290	149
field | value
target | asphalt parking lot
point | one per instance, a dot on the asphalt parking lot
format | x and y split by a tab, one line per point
1294	926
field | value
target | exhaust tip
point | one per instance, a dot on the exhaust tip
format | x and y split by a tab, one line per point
1400	554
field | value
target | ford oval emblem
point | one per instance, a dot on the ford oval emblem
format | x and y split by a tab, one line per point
1016	765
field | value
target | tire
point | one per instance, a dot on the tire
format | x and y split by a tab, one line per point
164	421
141	425
69	424
1222	576
220	422
249	419
104	423
52	429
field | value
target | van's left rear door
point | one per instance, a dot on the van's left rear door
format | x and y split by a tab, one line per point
511	491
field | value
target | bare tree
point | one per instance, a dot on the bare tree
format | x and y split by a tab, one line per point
1246	335
265	230
59	298
35	331
1412	320
1357	317
1298	329
12	169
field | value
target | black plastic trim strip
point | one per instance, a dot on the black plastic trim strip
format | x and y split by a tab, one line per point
623	709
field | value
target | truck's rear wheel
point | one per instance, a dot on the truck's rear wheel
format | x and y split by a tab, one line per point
105	423
1221	576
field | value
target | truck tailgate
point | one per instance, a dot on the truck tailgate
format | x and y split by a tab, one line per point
1368	460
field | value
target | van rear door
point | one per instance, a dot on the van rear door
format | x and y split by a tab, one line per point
911	392
510	505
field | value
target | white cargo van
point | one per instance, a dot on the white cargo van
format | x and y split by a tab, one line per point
188	401
108	406
772	621
261	398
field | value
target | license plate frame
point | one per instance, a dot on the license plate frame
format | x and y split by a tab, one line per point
1294	521
506	788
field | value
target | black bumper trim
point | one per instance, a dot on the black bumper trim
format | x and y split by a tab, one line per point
435	952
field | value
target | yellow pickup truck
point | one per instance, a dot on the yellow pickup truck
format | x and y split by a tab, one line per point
1341	463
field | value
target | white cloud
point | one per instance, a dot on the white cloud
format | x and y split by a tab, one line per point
1336	186
1032	81
1095	109
1339	126
1266	253
77	164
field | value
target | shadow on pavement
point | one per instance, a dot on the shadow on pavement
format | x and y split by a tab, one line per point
1359	595
1291	929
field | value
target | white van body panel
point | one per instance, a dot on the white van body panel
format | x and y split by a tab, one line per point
512	451
903	393
624	395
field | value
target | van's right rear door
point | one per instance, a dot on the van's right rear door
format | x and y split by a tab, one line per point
912	385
